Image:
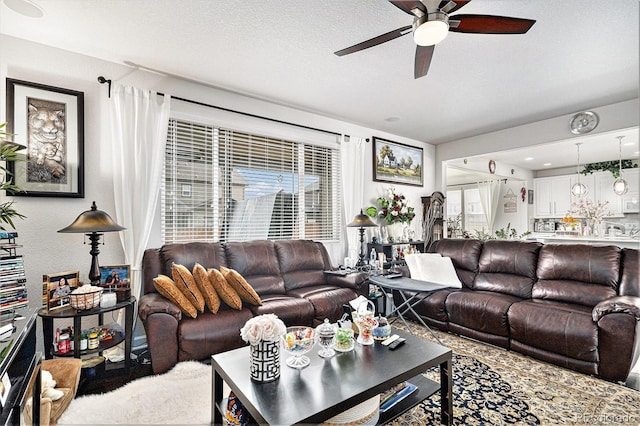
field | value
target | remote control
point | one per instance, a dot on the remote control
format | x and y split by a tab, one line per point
389	340
396	343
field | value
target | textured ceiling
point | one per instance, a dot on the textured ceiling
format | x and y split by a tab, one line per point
578	55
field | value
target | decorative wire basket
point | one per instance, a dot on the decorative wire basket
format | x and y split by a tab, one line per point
88	300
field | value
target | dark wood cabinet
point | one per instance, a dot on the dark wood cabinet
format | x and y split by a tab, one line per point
21	363
433	217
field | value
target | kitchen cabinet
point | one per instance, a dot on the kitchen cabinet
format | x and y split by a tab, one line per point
630	200
604	192
552	196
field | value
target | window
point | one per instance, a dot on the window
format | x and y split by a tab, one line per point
226	185
466	202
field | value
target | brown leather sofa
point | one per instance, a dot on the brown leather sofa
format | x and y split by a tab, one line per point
287	275
573	305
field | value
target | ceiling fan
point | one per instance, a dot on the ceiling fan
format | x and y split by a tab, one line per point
431	23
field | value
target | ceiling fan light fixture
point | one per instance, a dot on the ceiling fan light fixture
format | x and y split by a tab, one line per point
430	29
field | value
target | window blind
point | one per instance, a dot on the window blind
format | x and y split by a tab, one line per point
228	185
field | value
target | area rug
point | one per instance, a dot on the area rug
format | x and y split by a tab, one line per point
491	386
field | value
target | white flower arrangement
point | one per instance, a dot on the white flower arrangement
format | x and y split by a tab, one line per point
267	327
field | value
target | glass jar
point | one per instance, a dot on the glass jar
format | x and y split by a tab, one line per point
344	340
326	336
93	340
84	341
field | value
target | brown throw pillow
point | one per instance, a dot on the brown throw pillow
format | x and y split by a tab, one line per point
168	289
241	286
211	298
187	285
224	289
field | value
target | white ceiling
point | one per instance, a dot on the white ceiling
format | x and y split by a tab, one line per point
580	54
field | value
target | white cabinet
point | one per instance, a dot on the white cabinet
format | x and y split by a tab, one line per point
604	192
551	196
630	200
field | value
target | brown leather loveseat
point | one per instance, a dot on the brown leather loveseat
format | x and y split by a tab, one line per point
287	275
573	305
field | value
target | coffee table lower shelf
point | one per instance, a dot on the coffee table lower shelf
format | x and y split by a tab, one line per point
426	388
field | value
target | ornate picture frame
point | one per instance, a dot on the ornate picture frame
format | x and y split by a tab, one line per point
397	163
49	121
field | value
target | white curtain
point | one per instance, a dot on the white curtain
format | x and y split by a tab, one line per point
352	155
139	121
490	199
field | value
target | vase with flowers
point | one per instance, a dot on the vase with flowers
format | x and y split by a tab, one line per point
263	334
593	214
394	211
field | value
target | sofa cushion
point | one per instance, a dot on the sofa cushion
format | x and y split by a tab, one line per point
480	310
562	328
464	254
211	298
209	255
224	289
168	289
185	282
327	301
291	310
302	263
577	273
507	267
257	262
241	286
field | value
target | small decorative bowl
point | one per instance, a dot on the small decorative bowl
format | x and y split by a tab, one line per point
297	341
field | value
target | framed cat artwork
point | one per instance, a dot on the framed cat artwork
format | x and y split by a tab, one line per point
48	122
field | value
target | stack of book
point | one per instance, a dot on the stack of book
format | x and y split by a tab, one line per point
13	281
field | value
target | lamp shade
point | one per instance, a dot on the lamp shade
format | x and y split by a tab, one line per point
361	221
93	220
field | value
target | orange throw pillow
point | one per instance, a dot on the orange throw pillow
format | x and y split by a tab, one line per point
241	286
187	285
211	298
168	289
224	289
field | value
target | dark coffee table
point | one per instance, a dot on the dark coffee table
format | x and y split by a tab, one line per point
331	386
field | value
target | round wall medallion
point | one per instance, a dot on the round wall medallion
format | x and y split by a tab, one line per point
583	122
492	166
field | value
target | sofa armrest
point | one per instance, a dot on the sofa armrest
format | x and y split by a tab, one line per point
151	303
356	280
618	304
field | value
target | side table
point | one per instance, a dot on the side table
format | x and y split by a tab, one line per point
48	318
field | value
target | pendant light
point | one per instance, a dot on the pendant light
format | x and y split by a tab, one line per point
578	189
620	186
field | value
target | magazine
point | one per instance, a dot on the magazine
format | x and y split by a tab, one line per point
395	395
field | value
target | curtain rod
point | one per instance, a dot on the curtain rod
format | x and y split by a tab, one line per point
475	183
103	80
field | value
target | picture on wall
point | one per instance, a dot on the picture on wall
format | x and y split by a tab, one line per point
397	163
57	288
114	275
49	122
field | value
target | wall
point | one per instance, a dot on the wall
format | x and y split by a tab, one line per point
47	251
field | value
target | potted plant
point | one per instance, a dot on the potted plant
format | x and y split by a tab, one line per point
8	152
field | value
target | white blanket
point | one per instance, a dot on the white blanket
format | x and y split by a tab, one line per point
433	268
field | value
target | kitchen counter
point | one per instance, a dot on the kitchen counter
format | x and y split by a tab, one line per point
620	241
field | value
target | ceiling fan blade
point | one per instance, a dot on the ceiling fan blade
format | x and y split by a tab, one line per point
408	6
375	41
423	60
489	24
458	4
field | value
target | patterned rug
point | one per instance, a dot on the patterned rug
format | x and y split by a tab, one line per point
492	386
